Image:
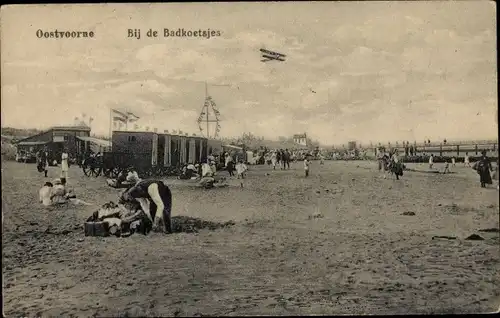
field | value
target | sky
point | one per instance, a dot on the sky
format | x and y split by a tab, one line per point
373	71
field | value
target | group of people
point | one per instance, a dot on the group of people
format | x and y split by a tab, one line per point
57	193
390	162
151	196
207	171
154	198
148	204
42	161
190	171
125	179
280	158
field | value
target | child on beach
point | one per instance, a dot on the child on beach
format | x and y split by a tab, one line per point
241	168
306	166
55	193
446	167
466	160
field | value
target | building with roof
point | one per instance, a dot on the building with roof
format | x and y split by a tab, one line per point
76	139
300	139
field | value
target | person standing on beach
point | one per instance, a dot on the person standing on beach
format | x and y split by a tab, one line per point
43	163
466	160
230	167
483	168
380	159
453	161
431	161
307	163
287	159
446	167
274	159
279	157
396	165
64	166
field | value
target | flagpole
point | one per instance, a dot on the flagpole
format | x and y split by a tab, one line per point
126	120
110	123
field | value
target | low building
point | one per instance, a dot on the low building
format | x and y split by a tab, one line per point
76	139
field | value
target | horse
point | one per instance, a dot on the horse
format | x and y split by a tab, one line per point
394	168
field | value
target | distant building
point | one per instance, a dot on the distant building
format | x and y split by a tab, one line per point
300	139
351	145
450	148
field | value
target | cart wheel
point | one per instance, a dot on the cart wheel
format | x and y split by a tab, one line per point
92	172
86	170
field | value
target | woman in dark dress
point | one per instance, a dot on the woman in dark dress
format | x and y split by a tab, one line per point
43	161
484	168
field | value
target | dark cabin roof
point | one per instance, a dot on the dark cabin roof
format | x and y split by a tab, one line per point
158	133
31	143
134	132
55	128
74	128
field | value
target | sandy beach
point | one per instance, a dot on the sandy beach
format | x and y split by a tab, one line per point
334	243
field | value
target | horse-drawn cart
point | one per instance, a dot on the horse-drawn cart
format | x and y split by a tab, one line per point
92	166
150	153
111	164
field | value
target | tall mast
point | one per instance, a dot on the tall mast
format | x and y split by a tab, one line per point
207	109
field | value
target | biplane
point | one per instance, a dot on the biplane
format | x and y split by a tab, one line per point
270	55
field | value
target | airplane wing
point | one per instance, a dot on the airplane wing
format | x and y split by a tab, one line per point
272	57
268	56
272	53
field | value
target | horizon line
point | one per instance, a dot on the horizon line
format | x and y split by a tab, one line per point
359	142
